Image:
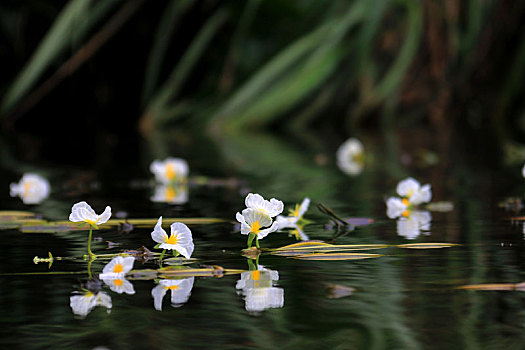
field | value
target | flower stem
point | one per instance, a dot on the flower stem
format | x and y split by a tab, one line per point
257	243
90	254
161	257
251	236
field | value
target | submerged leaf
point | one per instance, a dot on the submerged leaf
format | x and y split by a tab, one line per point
336	291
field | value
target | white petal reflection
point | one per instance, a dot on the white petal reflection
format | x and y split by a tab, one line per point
119	285
418	222
175	193
82	303
180	292
258	290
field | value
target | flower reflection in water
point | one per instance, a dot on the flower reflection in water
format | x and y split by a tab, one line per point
416	223
31	188
114	273
180	292
171	193
257	288
83	302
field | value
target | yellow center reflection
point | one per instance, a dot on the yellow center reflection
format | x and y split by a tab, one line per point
118	283
173	287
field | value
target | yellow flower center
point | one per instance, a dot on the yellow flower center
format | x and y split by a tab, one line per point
256	275
359	157
173	287
405	201
256	227
170	171
27	188
406	213
118	283
118	268
91	222
173	239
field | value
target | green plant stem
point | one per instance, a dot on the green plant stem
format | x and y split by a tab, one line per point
161	257
90	254
257	242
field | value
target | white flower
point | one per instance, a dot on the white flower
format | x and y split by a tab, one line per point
258	290
253	221
170	170
117	267
82	304
82	212
350	157
412	226
180	238
31	188
271	208
523	171
414	192
295	215
180	292
396	207
171	193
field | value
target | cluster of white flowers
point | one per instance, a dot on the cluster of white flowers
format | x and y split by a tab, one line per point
257	218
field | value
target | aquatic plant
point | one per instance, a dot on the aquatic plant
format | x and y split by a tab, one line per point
82	212
295	215
180	240
350	157
180	291
114	274
259	214
170	170
31	188
252	223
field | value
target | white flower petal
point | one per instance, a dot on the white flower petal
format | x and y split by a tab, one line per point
158	234
303	208
104	217
407	187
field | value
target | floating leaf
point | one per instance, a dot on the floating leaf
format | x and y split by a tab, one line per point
7	215
311	247
182	272
440	206
495	287
336	256
426	245
49	227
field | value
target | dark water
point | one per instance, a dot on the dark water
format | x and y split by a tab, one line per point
406	299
